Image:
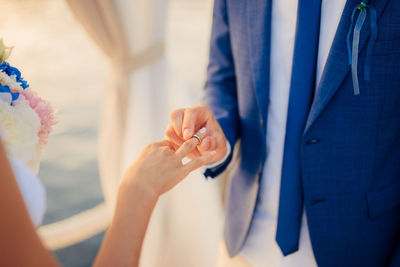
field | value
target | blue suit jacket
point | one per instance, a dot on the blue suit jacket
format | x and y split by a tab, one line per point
350	150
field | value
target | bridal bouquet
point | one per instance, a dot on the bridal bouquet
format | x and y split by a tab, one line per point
26	119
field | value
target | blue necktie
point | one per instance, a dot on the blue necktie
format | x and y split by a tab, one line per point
301	94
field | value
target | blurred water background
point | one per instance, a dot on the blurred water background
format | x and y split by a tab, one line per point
63	65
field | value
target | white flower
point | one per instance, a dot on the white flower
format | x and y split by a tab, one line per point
6	97
19	127
10	81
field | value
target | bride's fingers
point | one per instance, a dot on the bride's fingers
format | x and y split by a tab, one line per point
164	143
198	162
187	147
174	146
191	144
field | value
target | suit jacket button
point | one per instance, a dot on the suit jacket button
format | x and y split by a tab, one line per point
261	123
312	141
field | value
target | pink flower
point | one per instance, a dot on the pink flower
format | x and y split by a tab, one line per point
45	112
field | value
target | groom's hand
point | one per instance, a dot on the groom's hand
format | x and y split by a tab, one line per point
187	122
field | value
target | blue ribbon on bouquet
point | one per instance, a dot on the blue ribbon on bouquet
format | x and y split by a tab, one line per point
353	49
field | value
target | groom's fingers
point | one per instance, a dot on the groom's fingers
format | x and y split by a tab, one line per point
189	121
208	144
177	120
172	136
192	117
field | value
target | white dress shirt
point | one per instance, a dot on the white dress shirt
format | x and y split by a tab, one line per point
261	248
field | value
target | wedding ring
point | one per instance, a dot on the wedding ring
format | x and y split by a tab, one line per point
197	137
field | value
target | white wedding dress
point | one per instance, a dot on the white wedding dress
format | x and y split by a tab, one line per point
31	189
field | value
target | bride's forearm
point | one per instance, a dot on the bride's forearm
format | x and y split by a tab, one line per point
123	241
156	170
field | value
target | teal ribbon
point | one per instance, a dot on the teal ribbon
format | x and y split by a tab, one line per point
353	49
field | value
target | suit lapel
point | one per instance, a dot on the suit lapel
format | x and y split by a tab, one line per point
259	36
337	67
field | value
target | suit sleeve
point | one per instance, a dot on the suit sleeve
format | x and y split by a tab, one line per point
221	91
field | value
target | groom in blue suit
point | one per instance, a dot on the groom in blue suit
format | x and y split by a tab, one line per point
315	130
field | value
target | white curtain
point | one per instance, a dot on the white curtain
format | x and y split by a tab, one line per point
186	225
102	21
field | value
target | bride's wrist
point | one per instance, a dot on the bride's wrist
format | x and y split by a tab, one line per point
136	188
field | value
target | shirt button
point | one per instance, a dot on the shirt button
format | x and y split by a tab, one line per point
312	141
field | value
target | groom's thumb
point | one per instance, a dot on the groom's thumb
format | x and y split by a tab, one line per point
194	117
189	121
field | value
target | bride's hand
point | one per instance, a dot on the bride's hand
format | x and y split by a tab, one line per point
159	167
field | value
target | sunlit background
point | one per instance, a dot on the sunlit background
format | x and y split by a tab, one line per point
62	63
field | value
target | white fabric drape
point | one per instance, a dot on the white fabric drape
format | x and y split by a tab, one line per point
186	225
129	49
101	20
